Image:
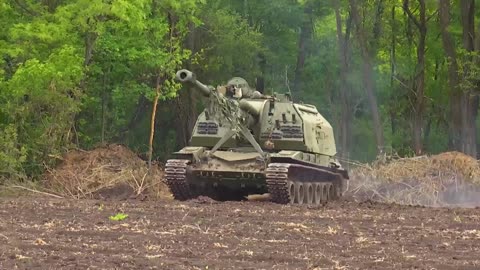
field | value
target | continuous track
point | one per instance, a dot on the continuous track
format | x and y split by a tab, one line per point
176	175
287	183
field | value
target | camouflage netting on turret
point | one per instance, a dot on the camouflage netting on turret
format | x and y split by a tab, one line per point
111	172
450	178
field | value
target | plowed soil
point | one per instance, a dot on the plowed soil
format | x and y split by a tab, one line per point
41	233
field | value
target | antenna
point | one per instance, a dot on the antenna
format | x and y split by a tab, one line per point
287	83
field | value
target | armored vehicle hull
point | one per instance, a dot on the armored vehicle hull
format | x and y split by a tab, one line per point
266	144
289	177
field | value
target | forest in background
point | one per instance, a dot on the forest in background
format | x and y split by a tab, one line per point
391	76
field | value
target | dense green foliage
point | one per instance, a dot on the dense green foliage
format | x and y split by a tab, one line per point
78	73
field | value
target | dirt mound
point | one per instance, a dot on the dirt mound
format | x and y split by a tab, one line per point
110	172
450	166
444	179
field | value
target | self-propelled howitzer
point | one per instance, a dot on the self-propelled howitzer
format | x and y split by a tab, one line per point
247	143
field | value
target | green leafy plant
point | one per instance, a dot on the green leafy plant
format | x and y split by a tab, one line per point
118	217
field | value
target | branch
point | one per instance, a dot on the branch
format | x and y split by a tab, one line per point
410	14
378	18
37	191
348	27
25	8
433	15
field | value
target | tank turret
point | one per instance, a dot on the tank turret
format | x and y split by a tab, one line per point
235	115
248	113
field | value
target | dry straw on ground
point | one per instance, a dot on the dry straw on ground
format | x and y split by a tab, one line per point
445	179
109	171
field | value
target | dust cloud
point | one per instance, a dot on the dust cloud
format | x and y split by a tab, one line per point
450	179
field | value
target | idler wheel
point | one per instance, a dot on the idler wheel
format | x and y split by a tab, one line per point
309	193
299	193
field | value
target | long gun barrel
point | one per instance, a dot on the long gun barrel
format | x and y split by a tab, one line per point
186	76
250	108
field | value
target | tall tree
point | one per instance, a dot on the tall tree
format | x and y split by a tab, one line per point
470	99
419	81
343	57
304	39
463	104
368	80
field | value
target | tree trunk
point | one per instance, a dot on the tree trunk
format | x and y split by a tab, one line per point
392	72
51	4
260	79
470	101
377	27
185	116
463	105
433	109
184	104
152	122
104	107
419	106
453	79
368	80
346	114
303	42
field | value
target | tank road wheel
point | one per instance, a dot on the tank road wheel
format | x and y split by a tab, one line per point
291	191
325	195
339	187
331	192
301	184
337	193
299	193
309	193
318	191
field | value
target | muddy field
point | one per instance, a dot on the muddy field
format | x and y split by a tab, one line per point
41	233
